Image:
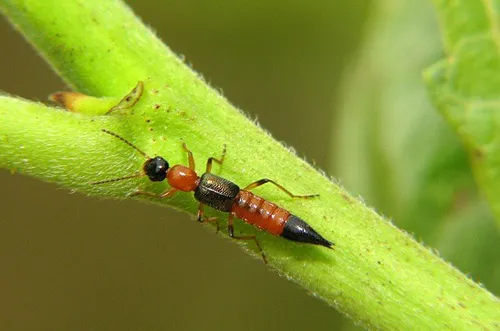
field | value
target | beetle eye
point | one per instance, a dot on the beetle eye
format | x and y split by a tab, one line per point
156	169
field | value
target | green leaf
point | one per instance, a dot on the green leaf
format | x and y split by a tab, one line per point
393	148
465	86
402	157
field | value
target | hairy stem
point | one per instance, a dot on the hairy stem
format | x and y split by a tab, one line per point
377	274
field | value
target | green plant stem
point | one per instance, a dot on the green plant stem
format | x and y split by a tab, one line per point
377	274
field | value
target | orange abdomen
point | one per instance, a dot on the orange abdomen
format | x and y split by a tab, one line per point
259	212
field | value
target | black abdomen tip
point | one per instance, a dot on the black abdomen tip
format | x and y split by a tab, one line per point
298	230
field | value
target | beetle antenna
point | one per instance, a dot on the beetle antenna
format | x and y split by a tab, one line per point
117	179
126	142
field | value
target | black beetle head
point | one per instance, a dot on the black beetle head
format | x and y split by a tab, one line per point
156	169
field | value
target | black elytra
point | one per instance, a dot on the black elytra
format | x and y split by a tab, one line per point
216	192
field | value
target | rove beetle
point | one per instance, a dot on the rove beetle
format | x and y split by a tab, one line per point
223	195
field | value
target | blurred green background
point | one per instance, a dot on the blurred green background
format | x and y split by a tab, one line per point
339	81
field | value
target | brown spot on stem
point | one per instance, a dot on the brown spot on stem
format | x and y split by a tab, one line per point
67	99
479	153
346	197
